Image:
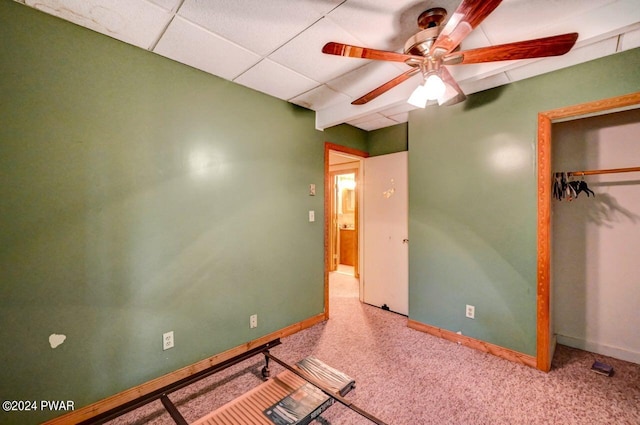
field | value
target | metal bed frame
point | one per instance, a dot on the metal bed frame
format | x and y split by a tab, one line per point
163	393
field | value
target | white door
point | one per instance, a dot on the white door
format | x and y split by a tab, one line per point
385	225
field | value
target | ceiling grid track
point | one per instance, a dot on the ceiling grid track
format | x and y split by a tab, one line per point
166	27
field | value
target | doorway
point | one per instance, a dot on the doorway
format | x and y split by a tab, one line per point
342	217
545	338
344	220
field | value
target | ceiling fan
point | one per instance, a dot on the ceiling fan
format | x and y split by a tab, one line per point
436	46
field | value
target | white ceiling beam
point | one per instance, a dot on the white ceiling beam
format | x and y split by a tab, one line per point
344	112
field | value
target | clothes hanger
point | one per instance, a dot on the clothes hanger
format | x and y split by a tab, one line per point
583	187
560	186
577	186
567	187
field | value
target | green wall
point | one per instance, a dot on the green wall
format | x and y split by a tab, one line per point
140	196
472	192
388	140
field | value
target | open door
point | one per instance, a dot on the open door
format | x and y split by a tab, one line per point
385	224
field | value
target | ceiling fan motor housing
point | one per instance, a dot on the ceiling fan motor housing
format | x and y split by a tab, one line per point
429	22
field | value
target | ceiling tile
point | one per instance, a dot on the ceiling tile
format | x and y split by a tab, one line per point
319	98
382	24
512	20
366	78
400	118
575	56
373	122
358	17
275	80
610	19
136	22
260	26
194	46
304	53
170	5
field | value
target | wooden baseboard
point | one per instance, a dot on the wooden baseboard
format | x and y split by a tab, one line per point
109	403
486	347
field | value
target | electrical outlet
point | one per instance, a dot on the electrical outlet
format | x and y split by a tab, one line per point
253	321
471	312
167	340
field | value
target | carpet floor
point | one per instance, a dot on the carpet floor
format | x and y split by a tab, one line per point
407	377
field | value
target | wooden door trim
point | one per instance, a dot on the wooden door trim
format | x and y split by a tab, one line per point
545	120
327	211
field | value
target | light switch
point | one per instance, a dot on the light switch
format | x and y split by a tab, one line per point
312	215
312	189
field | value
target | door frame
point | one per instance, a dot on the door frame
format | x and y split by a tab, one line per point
545	338
327	211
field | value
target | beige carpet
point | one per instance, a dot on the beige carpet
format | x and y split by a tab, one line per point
407	377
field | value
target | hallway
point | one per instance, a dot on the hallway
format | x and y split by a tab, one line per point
342	285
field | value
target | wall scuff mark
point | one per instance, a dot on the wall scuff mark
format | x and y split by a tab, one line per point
55	340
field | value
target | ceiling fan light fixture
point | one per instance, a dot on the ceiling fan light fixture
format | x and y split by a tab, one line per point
432	89
419	97
434	86
449	94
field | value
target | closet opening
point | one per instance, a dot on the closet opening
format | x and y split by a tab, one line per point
595	234
574	229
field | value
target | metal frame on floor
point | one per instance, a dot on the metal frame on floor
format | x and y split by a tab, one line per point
162	394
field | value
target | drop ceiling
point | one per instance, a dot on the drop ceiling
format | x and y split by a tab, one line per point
274	46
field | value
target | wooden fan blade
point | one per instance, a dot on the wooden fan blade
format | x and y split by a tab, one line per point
340	49
467	16
538	48
453	93
385	87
